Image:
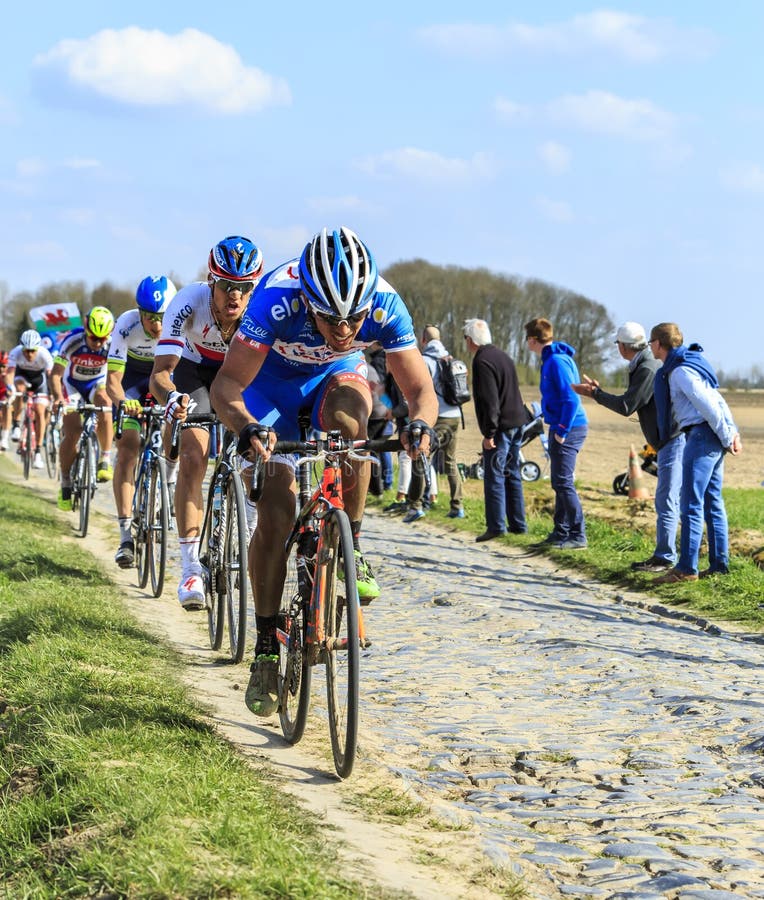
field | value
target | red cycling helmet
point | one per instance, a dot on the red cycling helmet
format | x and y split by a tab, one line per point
3	357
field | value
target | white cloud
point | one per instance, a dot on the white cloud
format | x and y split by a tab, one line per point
77	216
605	113
509	111
424	165
137	67
745	177
77	163
632	37
50	251
555	157
31	167
555	210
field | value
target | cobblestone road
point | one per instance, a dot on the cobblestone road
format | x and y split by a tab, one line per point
619	750
605	749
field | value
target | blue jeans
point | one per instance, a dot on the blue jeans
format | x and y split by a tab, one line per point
502	484
667	498
702	476
568	516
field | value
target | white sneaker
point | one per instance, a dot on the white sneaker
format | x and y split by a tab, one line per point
15	432
37	462
191	592
4	441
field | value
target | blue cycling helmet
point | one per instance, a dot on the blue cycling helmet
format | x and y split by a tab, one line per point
338	273
236	259
154	293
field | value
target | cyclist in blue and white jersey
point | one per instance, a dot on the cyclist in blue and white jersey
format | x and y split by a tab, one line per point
29	363
198	326
301	345
79	372
131	358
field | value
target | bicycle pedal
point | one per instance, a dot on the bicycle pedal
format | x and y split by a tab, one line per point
365	643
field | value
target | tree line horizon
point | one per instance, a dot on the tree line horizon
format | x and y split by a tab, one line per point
435	294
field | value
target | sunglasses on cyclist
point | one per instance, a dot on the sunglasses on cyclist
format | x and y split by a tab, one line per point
336	321
229	286
153	317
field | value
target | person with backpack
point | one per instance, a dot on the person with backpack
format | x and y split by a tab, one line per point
501	416
436	357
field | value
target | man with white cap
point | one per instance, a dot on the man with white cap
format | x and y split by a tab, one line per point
638	398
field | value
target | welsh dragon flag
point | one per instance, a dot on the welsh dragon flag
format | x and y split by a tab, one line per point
54	321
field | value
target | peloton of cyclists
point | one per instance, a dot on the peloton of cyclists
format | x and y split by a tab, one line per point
79	372
300	345
131	357
29	366
197	329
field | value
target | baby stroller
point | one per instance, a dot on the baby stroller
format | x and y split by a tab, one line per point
529	470
534	428
649	458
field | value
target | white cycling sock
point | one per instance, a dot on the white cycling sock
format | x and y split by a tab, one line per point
251	510
106	457
189	556
171	467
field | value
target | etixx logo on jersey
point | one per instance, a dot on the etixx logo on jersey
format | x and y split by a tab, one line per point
284	308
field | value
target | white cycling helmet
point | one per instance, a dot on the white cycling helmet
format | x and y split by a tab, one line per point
30	339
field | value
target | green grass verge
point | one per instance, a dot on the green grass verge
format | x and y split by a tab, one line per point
112	784
621	531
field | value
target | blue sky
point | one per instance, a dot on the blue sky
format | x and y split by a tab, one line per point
616	151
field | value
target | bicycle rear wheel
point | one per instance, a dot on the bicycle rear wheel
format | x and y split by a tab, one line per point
25	446
294	665
140	524
158	518
342	652
87	484
235	567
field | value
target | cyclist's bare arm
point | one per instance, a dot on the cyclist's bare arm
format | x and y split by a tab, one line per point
56	374
163	389
238	371
410	371
114	387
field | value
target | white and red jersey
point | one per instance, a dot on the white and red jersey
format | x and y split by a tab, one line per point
42	361
189	329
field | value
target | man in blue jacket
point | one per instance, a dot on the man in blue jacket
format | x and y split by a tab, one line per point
568	427
686	390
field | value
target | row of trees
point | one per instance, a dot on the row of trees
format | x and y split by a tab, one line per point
447	295
441	295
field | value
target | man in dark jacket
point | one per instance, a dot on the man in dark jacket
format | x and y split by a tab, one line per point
632	345
501	416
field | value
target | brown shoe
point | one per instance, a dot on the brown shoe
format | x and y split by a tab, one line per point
675	576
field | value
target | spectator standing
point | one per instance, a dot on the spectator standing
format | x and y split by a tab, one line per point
568	427
446	428
380	421
686	388
638	397
501	416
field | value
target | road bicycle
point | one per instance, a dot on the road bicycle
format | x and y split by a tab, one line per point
28	445
51	442
84	469
151	499
321	621
224	541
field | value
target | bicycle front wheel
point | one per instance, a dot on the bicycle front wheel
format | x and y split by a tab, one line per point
140	524
27	439
235	567
294	665
87	485
210	559
50	451
158	525
342	646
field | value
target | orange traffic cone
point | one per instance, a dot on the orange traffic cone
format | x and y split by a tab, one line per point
637	489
